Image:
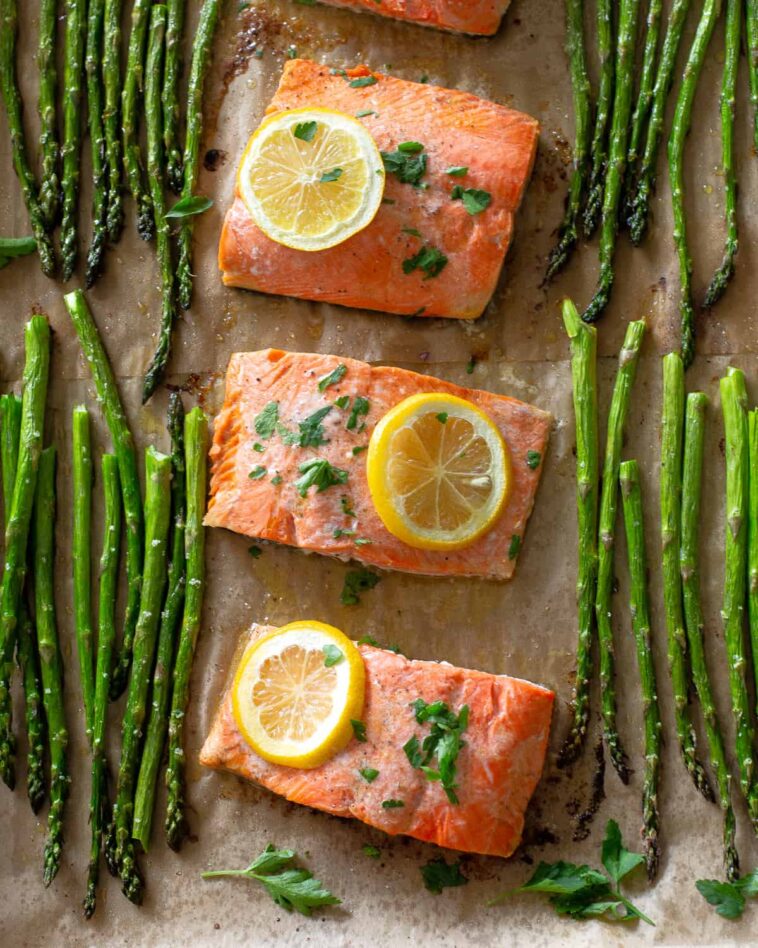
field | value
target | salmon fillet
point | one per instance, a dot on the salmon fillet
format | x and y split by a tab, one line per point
479	17
253	488
496	771
495	143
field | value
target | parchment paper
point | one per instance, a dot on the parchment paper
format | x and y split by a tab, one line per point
526	627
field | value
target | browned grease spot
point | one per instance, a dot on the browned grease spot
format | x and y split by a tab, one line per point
585	818
213	159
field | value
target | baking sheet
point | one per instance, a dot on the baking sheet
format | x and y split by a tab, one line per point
526	627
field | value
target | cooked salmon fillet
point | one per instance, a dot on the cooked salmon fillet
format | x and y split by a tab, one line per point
253	478
495	143
480	17
496	771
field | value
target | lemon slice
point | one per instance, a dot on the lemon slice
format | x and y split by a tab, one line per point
311	178
296	691
438	471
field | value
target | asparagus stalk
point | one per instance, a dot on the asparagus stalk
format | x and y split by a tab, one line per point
581	94
639	203
170	618
751	25
105	648
10	409
36	370
76	18
752	589
616	170
11	248
50	185
130	112
689	560
599	149
672	444
125	451
680	128
111	111
620	401
196	450
734	408
155	173
95	109
170	96
12	98
50	657
631	496
201	56
82	555
725	272
584	375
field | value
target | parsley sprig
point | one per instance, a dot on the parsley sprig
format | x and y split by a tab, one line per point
443	743
318	473
289	886
728	898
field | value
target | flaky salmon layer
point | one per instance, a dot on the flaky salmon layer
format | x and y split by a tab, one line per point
253	483
479	17
496	771
458	130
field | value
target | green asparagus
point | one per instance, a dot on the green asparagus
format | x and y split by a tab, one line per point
11	248
12	99
36	371
171	73
155	173
105	648
631	497
622	394
71	159
124	449
672	444
201	56
752	588
751	26
694	437
725	272
51	665
616	169
196	451
599	148
582	98
680	128
644	93
81	549
111	113
130	112
50	185
95	108
170	618
584	374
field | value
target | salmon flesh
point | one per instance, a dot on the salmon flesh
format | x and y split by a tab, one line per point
478	17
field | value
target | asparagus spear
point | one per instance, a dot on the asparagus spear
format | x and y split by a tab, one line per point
639	203
36	370
11	248
725	272
752	589
694	436
631	496
672	441
12	98
680	128
111	124
751	25
172	609
82	555
599	149
123	446
201	56
171	73
50	657
196	450
50	185
105	647
10	409
644	93
622	393
734	408
155	173
76	18
584	374
581	93
95	108
130	112
622	107
157	515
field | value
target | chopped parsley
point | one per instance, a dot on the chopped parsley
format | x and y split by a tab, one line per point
362	81
359	410
356	582
429	259
514	546
457	171
533	459
370	640
438	875
359	730
332	655
342	402
306	131
369	774
338	72
277	480
292	52
474	200
371	851
255	551
442	417
347	507
339	532
318	473
332	175
470	365
410	148
412	231
362	541
443	743
310	430
358	448
364	112
408	167
332	378
257	473
392	804
258	447
265	423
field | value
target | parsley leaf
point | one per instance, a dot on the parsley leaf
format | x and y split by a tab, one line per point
359	731
254	551
310	430
356	582
457	171
362	81
725	896
189	206
364	112
347	507
514	546
332	175
533	459
358	448
288	886
438	875
470	366
442	417
257	473
408	167
429	259
265	423
474	200
369	774
443	743
371	851
277	480
410	148
342	402
618	861
392	804
318	473
360	409
332	378
332	655
306	131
